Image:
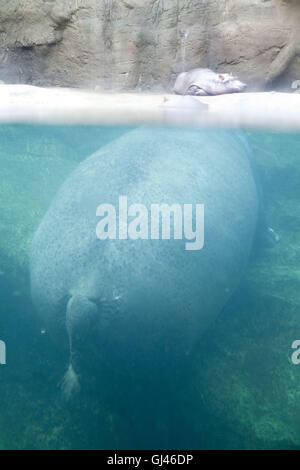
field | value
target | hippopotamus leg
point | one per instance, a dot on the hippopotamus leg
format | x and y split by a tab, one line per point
196	91
80	313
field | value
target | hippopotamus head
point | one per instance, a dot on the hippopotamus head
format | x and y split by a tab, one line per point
227	83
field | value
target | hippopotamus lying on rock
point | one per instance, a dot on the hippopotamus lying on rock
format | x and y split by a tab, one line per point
202	82
147	295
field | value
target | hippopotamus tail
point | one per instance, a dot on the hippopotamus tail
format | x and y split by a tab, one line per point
79	314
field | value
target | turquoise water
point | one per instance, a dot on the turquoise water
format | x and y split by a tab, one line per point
240	391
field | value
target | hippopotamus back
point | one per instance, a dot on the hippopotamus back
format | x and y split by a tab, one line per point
145	297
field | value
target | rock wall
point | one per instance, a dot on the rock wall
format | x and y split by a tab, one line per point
143	44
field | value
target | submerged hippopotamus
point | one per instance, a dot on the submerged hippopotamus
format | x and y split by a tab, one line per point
202	82
146	295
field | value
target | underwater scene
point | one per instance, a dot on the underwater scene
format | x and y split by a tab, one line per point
150	342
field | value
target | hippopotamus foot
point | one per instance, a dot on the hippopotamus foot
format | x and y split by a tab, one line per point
196	91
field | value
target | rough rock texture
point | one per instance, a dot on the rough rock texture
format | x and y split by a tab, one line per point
143	44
